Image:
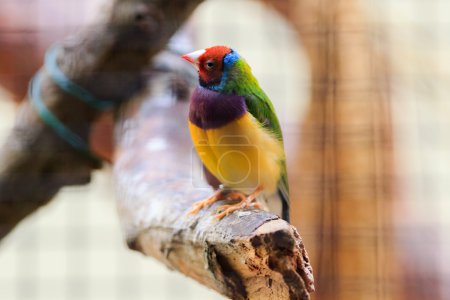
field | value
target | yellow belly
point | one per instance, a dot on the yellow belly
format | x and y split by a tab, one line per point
241	154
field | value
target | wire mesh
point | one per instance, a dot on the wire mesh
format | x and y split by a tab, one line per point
385	249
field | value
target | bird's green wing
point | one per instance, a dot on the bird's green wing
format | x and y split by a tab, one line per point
260	106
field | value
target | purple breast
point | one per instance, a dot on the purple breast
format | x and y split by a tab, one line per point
210	109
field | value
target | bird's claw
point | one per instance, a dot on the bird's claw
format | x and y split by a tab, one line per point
227	209
199	205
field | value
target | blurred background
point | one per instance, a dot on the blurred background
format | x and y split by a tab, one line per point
361	88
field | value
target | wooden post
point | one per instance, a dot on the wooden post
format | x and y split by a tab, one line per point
344	163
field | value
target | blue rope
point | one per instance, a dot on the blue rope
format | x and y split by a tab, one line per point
69	86
51	120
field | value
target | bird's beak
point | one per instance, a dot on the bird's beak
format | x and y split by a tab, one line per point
193	57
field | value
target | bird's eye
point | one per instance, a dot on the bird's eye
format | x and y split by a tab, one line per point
210	64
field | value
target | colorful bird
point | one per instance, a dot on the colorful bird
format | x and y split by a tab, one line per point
236	133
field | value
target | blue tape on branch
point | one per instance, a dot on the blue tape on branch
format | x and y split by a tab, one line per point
69	86
51	120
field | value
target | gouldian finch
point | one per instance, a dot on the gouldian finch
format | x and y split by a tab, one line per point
236	133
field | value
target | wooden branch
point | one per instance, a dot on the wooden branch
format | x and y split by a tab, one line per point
107	60
248	255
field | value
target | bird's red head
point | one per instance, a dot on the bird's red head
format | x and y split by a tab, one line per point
209	63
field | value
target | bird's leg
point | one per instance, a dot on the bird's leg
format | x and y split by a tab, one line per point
249	201
236	196
199	205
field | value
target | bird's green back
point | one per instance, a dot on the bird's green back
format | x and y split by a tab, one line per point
239	80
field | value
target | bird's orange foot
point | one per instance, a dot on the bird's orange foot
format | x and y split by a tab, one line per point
245	202
199	205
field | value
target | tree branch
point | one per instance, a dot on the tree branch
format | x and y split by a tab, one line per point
247	255
108	61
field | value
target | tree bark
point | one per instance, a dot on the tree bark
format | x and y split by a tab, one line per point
249	254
